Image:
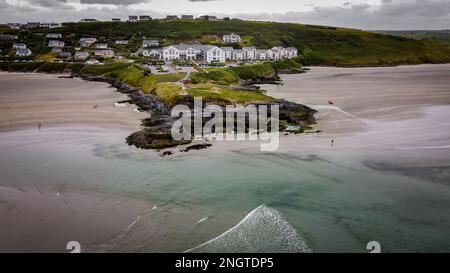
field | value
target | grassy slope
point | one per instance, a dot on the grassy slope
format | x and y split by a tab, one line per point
131	74
260	71
319	45
214	91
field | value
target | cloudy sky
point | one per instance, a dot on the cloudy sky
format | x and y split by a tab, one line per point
363	14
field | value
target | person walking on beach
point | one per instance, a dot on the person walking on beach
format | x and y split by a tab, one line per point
332	143
39	126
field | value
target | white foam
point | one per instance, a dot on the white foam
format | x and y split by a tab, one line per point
262	231
202	220
120	104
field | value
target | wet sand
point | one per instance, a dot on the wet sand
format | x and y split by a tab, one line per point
360	94
66	213
29	99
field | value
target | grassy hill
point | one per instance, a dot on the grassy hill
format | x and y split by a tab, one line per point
435	35
319	45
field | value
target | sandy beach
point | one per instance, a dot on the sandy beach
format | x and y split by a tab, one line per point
29	99
76	179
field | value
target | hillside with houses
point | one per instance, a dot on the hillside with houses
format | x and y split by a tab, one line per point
208	39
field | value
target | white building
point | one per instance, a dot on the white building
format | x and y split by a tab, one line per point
238	55
50	25
228	52
87	41
152	53
23	52
5	37
133	18
215	54
231	38
56	43
291	52
149	43
14	25
105	53
205	53
250	53
81	55
261	54
54	35
101	45
121	42
18	46
211	53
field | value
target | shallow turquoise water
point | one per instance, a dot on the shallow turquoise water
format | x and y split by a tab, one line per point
336	200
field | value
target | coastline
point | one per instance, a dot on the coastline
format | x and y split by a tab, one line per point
302	179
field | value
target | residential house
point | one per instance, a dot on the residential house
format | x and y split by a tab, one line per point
121	42
214	54
273	54
54	35
231	38
280	52
152	53
145	18
93	61
101	45
50	25
187	17
172	17
239	55
250	53
33	24
56	43
81	55
5	37
133	18
119	57
261	54
65	55
105	53
210	53
14	25
86	42
291	52
88	20
150	43
18	46
208	18
228	52
205	53
23	52
54	25
56	49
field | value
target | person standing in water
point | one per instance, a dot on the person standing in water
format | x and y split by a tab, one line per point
332	143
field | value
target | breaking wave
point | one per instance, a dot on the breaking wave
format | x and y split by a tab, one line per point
262	231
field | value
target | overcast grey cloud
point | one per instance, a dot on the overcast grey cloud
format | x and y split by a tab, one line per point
362	14
114	2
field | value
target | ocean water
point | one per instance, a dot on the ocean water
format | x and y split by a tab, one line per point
335	201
